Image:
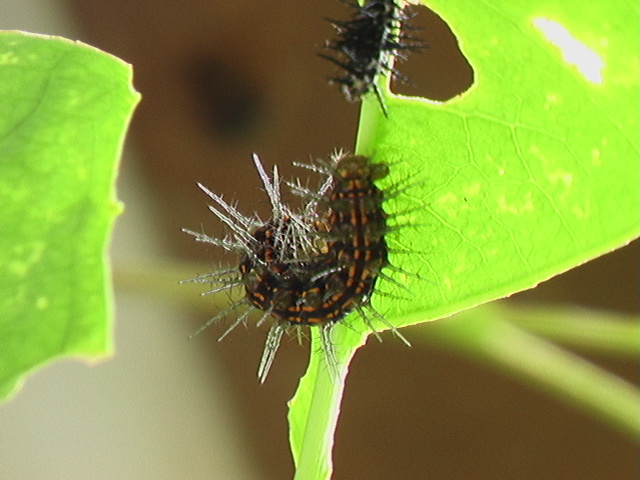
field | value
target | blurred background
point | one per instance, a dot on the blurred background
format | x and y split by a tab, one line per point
221	79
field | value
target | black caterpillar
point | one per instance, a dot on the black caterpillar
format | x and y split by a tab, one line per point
367	45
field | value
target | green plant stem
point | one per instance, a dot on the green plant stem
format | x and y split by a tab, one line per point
607	332
482	333
314	410
162	279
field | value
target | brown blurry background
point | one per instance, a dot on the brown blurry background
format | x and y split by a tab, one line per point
221	79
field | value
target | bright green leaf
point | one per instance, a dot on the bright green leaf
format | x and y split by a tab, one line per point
531	172
64	108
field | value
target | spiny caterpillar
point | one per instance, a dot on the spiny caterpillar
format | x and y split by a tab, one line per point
307	268
367	45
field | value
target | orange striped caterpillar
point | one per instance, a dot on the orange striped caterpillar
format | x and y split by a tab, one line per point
311	268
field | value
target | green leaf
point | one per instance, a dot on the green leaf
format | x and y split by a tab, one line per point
531	172
64	108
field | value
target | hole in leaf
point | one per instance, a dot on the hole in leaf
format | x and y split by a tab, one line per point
439	71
